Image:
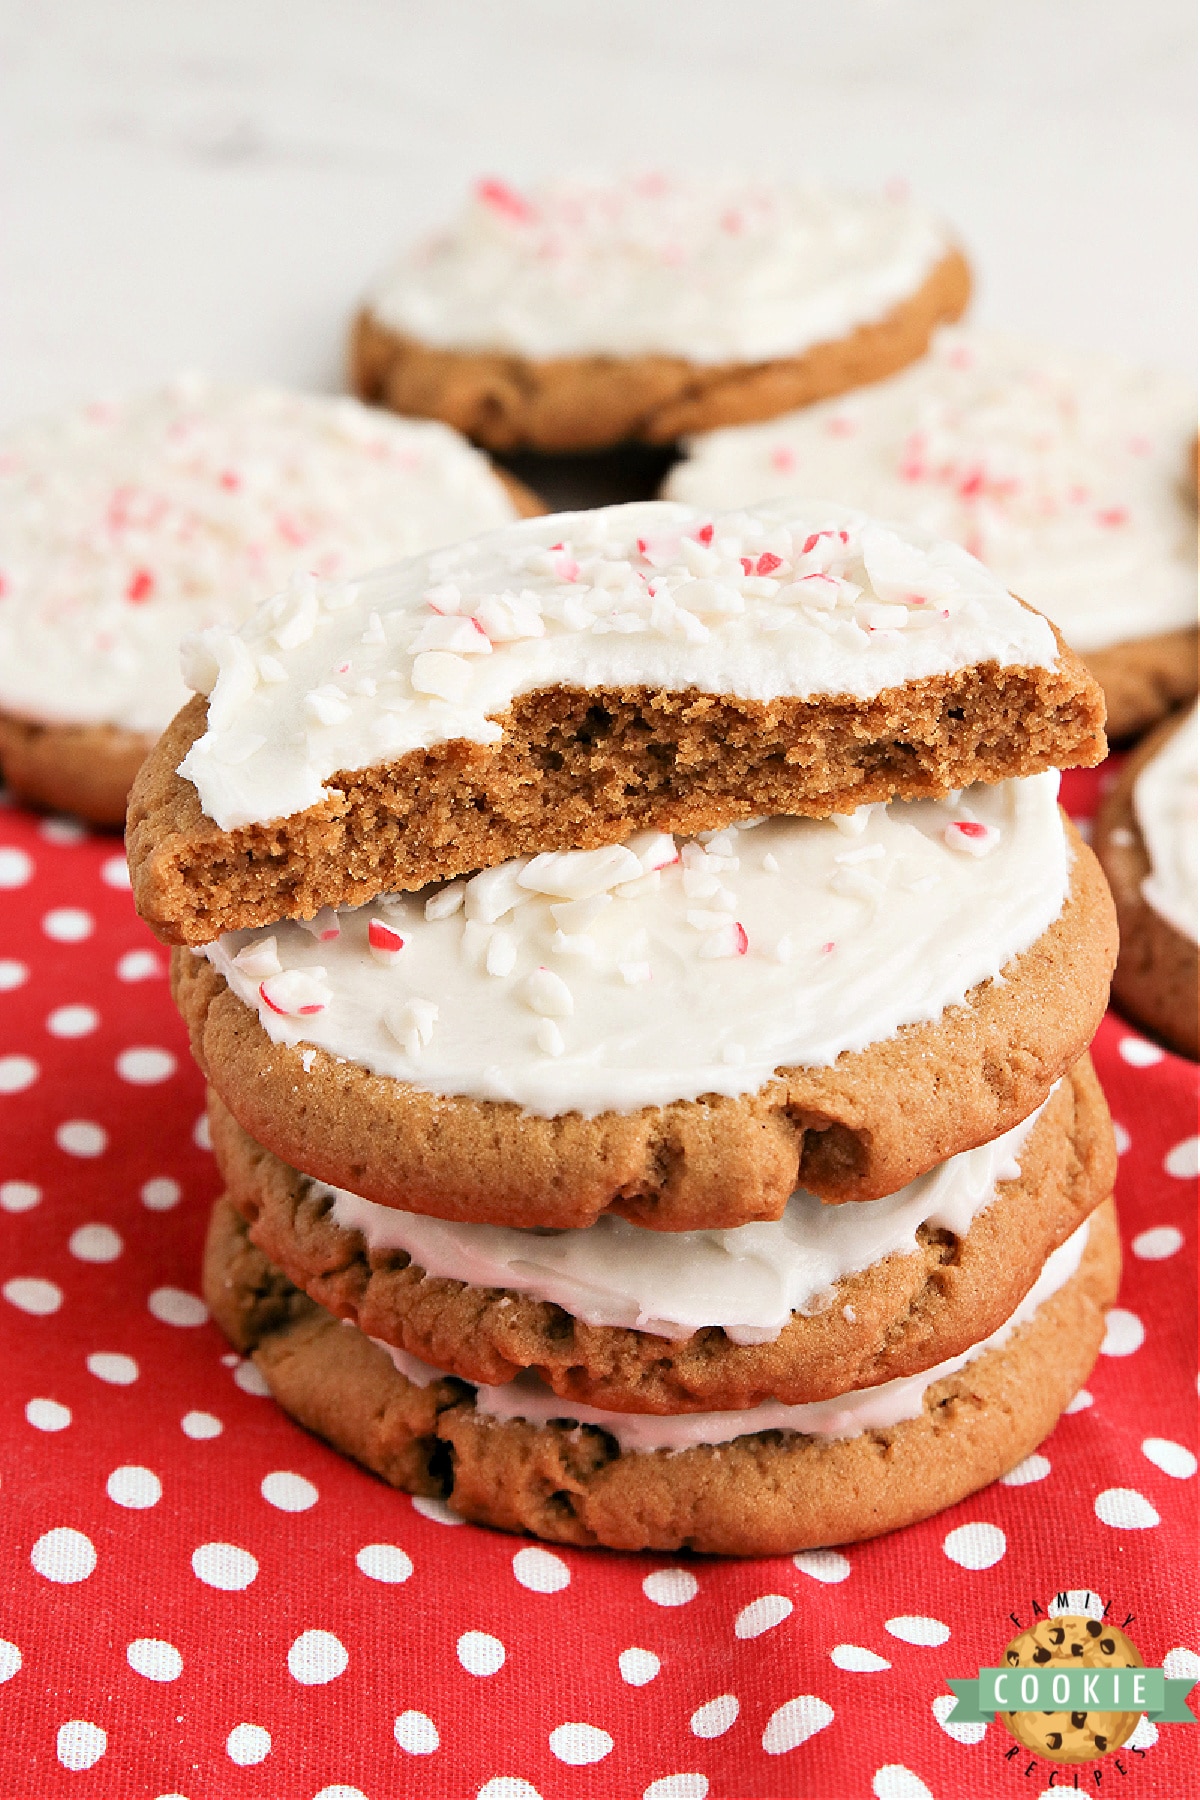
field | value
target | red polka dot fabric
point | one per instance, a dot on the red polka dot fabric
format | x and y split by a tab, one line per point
202	1601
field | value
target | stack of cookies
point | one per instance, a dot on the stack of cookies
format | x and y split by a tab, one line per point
644	981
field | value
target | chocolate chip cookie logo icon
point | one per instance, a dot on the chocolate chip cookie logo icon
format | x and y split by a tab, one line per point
1073	1687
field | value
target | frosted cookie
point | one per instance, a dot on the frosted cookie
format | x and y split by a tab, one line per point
586	314
1146	840
837	1004
759	1482
131	522
572	679
1067	475
825	1300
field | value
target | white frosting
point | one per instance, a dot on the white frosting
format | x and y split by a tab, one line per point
844	1416
577	982
1064	474
1164	805
724	272
748	1280
800	598
131	522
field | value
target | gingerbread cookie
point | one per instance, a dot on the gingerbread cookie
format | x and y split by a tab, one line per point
503	1074
757	1483
129	523
826	1300
1146	840
1073	1641
587	314
569	680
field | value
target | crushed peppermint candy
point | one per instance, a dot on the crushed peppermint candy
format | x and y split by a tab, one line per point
384	943
298	993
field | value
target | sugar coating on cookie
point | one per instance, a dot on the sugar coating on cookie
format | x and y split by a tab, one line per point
1165	807
724	272
748	1281
131	522
845	1416
559	981
798	599
1064	473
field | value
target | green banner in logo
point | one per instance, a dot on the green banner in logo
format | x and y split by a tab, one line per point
1055	1688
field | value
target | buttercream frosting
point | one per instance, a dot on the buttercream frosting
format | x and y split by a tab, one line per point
748	1280
795	598
1164	805
130	522
843	1416
664	969
1064	473
730	271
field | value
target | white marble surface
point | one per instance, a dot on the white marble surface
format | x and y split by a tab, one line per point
212	185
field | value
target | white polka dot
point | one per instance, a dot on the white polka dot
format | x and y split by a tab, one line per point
1080	1403
114	872
110	1366
507	1787
160	1193
134	1487
10	1660
16	868
72	1021
81	1137
975	1546
577	1744
857	1660
80	1744
1139	1054
715	1717
1145	1736
144	1067
480	1654
1125	1510
943	1706
17	1073
895	1782
95	1244
671	1587
289	1492
826	1566
48	1415
1034	1468
155	1659
638	1666
1172	1458
200	1425
12	974
247	1744
437	1510
68	925
250	1378
1123	1333
201	1133
19	1196
339	1791
677	1787
761	1614
172	1306
794	1722
1158	1243
62	831
1122	1138
416	1733
384	1562
138	965
63	1555
1181	1664
916	1629
1183	1160
317	1657
224	1566
541	1571
33	1295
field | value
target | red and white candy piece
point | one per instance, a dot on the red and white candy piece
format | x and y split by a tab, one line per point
726	940
324	925
971	837
384	942
296	993
259	960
